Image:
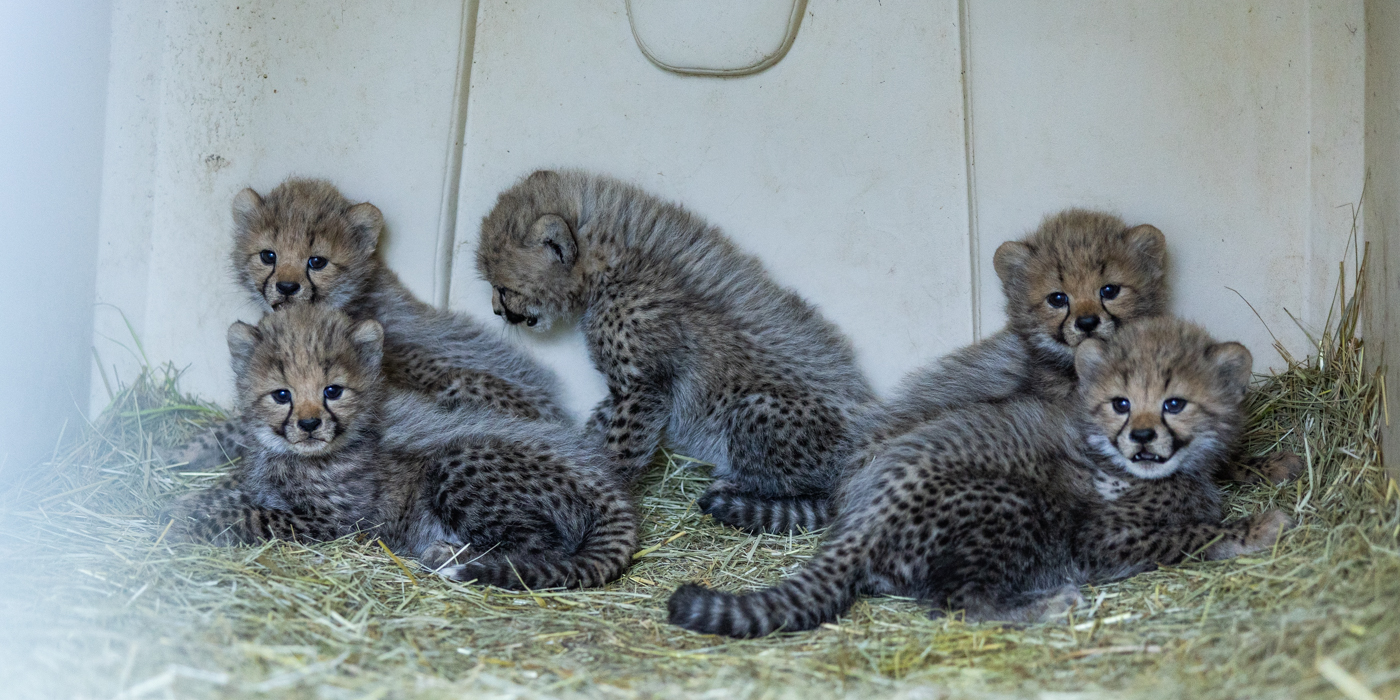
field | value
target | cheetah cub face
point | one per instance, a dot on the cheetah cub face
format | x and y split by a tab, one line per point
307	377
304	243
1162	396
1081	275
529	253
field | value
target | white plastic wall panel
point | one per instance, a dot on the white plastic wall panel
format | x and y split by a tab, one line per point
1383	207
53	74
1234	127
842	166
211	97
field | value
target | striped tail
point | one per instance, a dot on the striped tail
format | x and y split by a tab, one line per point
605	552
757	514
821	592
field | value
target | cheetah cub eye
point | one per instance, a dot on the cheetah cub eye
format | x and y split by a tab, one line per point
1082	274
304	244
532	257
1162	396
308	378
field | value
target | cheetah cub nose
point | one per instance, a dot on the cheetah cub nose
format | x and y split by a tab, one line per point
309	424
288	288
1142	436
1083	323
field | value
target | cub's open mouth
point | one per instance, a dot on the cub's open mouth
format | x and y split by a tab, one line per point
1146	456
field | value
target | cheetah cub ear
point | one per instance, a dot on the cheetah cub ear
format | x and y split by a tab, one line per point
1011	259
1148	241
247	209
242	339
366	223
368	337
553	233
1233	364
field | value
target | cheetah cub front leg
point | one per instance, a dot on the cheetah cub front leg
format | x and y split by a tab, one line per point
226	515
630	428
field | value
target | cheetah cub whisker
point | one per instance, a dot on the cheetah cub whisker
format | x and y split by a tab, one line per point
1002	510
305	243
1081	274
695	340
335	449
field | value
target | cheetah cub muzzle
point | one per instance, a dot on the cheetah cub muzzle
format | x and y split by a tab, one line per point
1001	511
305	243
698	345
1081	274
335	450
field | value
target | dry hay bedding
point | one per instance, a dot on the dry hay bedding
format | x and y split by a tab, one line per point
92	604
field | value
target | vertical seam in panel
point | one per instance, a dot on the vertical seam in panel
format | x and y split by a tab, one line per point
1308	231
973	235
452	180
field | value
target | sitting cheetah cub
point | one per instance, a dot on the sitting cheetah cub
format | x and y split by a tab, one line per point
474	493
306	244
693	338
1002	509
1081	274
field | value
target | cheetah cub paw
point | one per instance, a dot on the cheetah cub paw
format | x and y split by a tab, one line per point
1264	530
1058	603
1282	466
441	553
1275	469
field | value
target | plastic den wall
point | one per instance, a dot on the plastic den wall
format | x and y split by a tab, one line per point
1383	203
53	79
875	168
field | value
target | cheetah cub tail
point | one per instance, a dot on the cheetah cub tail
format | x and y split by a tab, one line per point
757	514
603	553
820	592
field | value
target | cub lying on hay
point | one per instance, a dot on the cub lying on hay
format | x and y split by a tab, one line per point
479	495
1002	510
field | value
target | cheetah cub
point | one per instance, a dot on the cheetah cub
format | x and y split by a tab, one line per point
1003	509
693	337
473	493
304	243
1081	274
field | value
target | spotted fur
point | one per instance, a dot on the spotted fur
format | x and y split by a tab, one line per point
304	243
1001	510
335	449
695	340
1108	273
